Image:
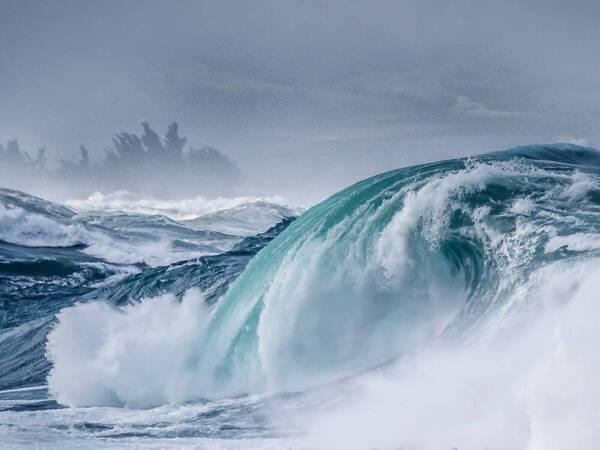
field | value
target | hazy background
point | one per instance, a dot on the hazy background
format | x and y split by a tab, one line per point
306	96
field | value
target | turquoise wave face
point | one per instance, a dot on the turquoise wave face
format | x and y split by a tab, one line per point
433	253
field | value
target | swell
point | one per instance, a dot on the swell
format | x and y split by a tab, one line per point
421	255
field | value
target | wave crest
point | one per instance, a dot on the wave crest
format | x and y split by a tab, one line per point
416	257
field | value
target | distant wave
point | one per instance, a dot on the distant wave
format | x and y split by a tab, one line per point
251	215
33	229
127	229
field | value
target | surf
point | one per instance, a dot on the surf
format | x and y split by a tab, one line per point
446	253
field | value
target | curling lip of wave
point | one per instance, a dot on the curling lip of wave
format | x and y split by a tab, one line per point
432	253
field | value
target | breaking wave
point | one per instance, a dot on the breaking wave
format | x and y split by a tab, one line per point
435	306
416	257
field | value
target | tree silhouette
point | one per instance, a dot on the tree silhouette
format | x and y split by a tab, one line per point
144	163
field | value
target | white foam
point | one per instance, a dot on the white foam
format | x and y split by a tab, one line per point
136	357
22	227
580	185
577	242
536	390
153	253
540	382
523	206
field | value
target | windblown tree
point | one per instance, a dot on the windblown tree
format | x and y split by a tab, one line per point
18	168
12	157
77	173
144	163
147	163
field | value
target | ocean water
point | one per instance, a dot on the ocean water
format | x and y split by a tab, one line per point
451	305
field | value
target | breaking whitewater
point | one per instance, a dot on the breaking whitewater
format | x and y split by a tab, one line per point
449	305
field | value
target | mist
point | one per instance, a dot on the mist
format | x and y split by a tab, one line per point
306	97
145	164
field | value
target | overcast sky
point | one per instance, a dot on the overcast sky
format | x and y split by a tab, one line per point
307	96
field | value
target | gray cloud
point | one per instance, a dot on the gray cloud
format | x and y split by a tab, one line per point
321	91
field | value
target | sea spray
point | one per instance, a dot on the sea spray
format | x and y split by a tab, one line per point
135	357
